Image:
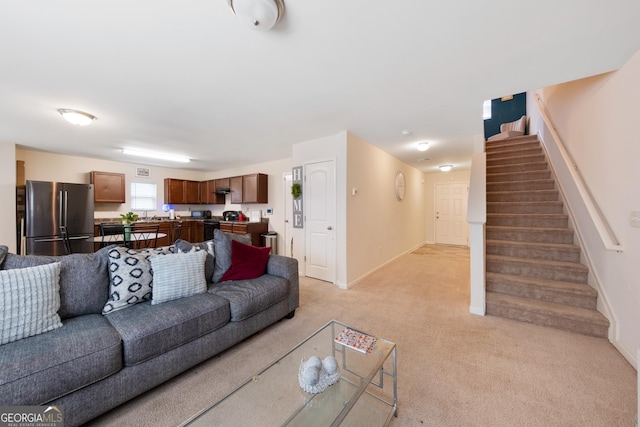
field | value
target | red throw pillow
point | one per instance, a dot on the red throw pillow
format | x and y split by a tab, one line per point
247	262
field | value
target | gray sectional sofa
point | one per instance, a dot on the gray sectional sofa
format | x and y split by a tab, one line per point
100	357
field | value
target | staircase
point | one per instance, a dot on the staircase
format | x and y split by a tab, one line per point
533	268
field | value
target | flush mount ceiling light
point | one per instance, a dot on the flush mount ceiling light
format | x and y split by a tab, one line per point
155	155
77	117
445	168
423	146
258	14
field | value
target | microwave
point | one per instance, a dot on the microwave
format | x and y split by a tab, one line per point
201	214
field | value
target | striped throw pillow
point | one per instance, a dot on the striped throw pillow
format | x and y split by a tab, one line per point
177	276
29	301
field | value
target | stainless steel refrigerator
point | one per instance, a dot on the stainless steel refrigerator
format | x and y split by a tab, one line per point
52	204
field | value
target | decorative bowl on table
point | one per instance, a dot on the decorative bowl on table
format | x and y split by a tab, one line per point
315	374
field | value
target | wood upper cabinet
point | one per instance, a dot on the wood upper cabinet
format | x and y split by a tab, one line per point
255	188
174	191
192	191
220	184
108	187
181	191
235	183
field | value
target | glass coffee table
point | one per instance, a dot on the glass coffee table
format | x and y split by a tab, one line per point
274	397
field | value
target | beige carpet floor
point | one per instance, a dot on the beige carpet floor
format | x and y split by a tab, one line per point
455	369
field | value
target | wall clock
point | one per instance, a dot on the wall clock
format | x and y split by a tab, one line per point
400	185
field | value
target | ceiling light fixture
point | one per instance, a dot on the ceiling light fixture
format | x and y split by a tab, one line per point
77	117
445	168
258	14
423	146
155	155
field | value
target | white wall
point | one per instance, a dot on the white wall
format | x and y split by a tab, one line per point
8	196
597	119
379	227
430	181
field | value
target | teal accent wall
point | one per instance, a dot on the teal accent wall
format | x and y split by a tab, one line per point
505	112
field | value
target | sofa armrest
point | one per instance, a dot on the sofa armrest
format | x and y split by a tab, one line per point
286	267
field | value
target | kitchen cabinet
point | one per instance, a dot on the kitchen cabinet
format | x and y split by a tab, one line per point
192	191
197	232
181	191
235	183
254	229
108	187
255	188
174	191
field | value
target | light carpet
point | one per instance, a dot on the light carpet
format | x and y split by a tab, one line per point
454	368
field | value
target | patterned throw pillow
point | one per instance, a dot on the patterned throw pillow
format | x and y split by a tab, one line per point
130	278
29	301
178	276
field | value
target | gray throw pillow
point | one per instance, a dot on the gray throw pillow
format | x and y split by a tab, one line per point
222	247
29	301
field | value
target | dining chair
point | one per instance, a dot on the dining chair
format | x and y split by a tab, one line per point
176	231
145	236
65	239
111	233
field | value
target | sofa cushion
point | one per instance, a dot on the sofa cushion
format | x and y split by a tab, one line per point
248	297
29	301
184	246
247	262
84	279
38	369
177	276
222	245
150	330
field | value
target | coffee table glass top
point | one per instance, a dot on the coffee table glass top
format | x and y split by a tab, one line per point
274	397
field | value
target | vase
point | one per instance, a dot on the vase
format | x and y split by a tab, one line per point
127	232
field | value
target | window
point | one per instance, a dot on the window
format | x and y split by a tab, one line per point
486	109
143	196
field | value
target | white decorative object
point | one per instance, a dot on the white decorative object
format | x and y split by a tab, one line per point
315	374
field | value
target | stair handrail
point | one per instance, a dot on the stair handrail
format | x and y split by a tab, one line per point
605	232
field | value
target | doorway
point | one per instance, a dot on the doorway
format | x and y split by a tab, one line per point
288	216
320	220
451	226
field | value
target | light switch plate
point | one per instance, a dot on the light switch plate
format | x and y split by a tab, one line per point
634	218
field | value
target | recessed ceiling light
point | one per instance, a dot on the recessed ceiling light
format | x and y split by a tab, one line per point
155	155
423	146
77	117
445	168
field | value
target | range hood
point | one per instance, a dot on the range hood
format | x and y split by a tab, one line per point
222	190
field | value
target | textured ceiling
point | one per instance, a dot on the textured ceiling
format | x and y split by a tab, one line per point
186	77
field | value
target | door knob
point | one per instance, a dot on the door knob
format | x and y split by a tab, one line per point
329	228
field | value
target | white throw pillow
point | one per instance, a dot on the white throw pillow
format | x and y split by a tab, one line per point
29	301
178	275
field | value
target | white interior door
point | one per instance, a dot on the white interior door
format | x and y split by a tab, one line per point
451	213
320	220
288	217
